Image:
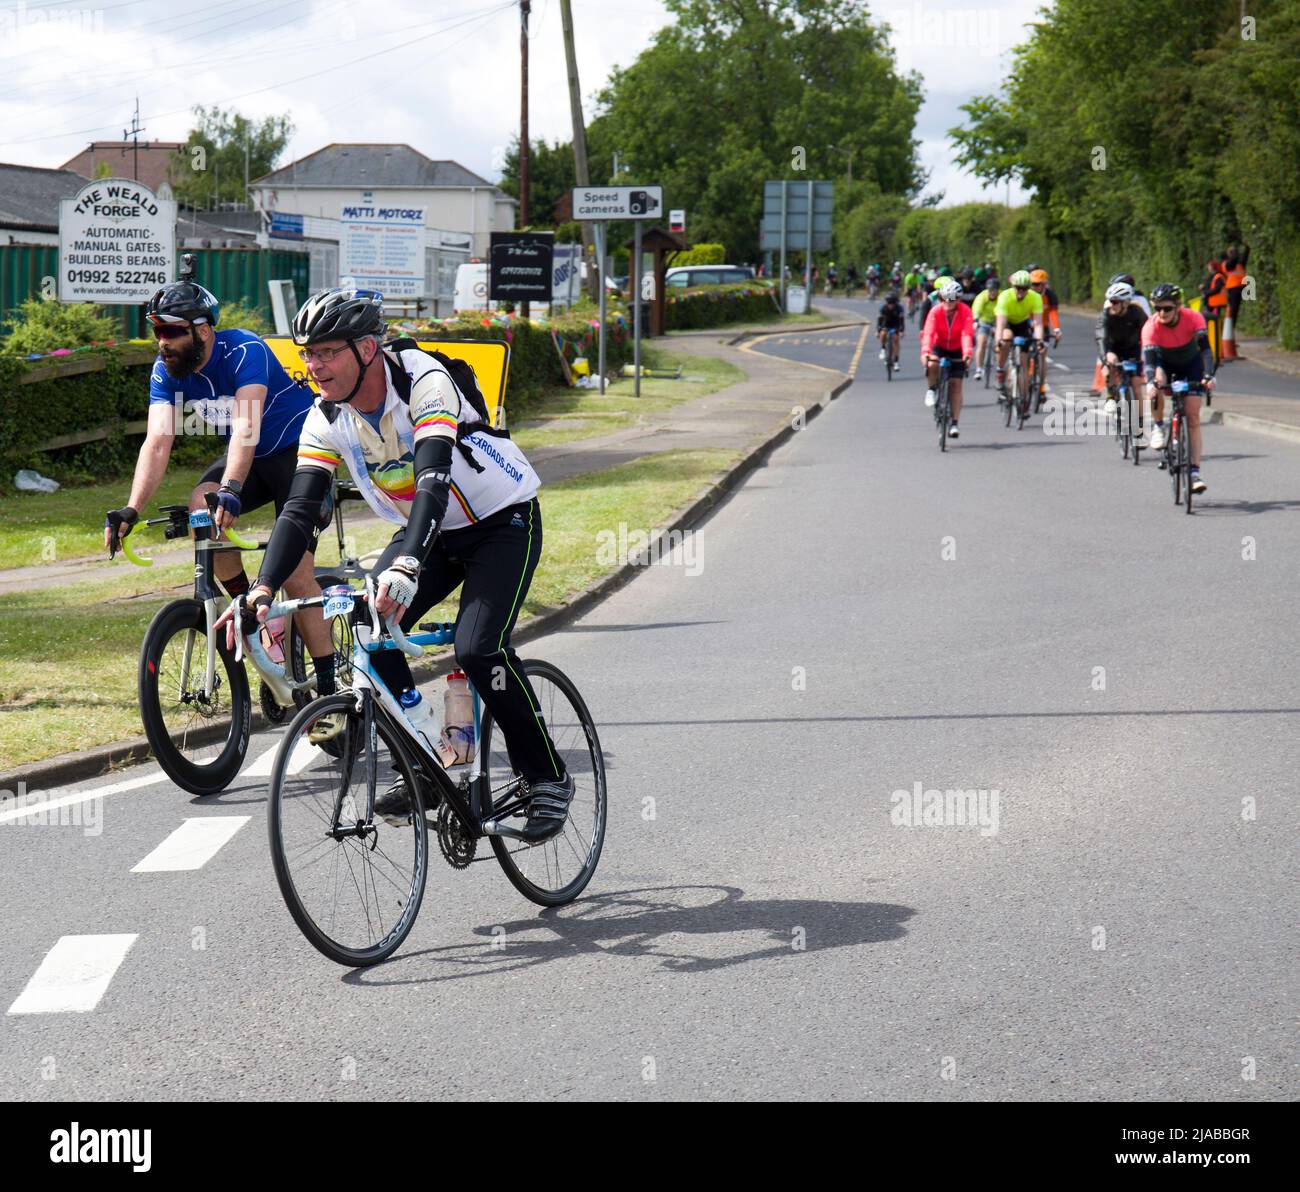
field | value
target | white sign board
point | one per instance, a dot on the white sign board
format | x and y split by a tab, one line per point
618	202
382	248
117	243
677	219
796	300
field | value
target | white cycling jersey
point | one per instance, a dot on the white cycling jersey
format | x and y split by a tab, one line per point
382	462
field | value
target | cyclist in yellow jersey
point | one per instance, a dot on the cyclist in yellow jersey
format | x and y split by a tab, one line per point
984	310
1019	312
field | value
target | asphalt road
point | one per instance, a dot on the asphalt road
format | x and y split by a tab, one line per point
1024	616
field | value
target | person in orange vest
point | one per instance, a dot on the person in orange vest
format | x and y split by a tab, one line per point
1234	268
1214	298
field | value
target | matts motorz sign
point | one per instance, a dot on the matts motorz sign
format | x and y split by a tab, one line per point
117	243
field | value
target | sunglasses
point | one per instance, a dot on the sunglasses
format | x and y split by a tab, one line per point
170	331
1164	310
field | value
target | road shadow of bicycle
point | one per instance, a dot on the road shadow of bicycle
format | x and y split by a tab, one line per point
686	929
1209	506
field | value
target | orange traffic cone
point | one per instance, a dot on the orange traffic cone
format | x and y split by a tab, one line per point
1229	340
1098	378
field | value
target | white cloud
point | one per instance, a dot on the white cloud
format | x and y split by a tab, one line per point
73	78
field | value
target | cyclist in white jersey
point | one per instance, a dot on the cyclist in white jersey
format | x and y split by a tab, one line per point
464	501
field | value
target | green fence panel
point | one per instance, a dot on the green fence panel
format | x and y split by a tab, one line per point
233	274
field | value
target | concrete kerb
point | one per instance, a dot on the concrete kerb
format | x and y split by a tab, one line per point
792	330
92	763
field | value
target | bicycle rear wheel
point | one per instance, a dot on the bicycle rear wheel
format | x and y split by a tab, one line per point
199	737
352	882
555	871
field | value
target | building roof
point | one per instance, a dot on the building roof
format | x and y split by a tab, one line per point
29	196
364	165
155	157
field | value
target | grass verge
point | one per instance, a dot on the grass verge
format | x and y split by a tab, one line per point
68	656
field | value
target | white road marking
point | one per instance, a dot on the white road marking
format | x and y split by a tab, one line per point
304	754
74	974
85	796
193	844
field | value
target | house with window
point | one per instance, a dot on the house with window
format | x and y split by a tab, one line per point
302	203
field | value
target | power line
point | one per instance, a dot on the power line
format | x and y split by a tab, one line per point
261	90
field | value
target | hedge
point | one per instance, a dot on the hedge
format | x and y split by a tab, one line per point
714	306
116	393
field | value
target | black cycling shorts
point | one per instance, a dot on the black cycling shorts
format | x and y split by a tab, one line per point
957	367
267	481
1026	329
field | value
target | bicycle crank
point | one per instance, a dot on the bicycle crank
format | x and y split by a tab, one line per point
458	846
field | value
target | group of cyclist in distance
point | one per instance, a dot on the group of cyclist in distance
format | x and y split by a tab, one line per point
961	314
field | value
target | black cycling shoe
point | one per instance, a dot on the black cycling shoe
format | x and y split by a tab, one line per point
394	805
548	809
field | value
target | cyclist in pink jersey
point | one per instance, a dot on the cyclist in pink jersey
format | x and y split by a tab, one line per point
1175	347
949	333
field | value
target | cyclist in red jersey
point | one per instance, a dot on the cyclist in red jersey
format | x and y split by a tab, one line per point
949	333
1175	346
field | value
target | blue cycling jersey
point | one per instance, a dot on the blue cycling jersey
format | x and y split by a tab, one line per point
239	358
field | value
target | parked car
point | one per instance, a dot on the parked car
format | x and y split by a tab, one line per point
681	276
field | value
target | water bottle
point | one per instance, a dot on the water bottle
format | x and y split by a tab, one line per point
458	717
419	715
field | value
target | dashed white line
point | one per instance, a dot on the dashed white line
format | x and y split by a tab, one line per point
193	844
74	975
304	753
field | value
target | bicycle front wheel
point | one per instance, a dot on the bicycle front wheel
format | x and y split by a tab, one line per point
199	736
555	871
352	881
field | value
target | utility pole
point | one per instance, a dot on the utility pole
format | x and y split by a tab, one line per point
134	133
581	176
524	214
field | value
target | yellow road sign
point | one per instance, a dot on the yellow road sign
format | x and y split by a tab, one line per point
489	358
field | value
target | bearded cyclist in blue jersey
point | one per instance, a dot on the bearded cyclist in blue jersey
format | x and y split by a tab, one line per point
228	384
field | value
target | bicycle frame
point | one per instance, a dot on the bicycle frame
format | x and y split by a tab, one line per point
478	813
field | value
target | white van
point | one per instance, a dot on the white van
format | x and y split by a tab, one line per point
568	272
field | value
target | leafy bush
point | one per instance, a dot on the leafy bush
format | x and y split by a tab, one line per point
246	317
715	306
45	326
701	254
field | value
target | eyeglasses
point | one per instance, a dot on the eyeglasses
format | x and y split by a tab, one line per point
169	331
323	355
1164	310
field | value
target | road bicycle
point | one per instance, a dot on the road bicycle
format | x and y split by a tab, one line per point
194	694
1022	378
1178	443
986	358
1128	429
891	354
942	404
354	880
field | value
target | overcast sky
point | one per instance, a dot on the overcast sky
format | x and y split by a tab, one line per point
442	76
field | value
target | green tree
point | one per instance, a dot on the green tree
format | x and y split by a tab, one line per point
735	92
214	155
550	178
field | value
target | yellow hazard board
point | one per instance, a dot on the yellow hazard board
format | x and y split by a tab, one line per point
489	358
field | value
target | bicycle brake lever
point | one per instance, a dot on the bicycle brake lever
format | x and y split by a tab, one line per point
237	619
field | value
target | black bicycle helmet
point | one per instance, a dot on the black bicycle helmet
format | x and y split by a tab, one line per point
1167	292
1127	278
183	302
993	284
339	314
346	314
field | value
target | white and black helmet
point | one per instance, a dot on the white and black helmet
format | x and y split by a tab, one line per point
950	290
1121	291
341	313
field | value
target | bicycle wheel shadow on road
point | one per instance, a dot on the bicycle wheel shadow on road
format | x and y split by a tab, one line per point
660	923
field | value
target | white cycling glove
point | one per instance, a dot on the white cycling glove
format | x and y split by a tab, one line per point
402	578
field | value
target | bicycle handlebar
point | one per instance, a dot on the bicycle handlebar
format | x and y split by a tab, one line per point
286	608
